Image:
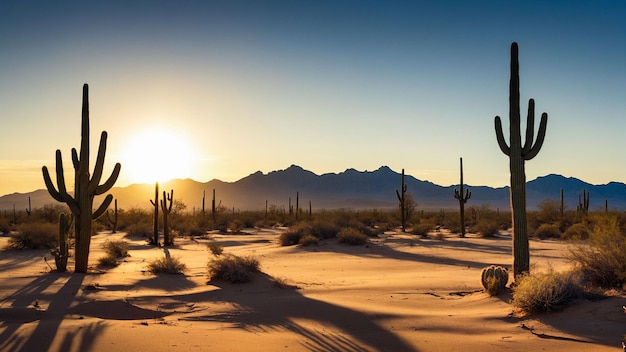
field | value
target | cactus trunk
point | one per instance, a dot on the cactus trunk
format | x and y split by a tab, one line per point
61	255
85	188
518	154
402	199
167	240
463	198
155	219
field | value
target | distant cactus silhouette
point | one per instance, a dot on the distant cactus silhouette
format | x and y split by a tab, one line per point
518	154
155	219
583	202
85	187
167	239
463	198
401	194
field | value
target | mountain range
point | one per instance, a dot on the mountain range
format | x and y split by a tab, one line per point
350	189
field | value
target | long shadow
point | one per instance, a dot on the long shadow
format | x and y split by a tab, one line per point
603	323
47	328
256	311
49	320
375	250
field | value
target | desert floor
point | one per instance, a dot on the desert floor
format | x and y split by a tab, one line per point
398	293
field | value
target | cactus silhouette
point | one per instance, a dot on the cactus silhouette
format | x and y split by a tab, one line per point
155	219
401	194
463	198
61	253
583	202
518	154
112	220
167	240
85	187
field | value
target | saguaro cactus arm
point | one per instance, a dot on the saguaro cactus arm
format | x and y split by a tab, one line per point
531	150
95	188
60	195
500	137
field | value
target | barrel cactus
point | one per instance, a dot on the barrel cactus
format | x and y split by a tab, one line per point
494	279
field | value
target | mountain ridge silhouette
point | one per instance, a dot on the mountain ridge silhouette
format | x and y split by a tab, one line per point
350	189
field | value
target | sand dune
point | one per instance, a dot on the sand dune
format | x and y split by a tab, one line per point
398	293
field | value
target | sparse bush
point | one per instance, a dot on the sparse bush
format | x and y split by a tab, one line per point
139	229
547	231
486	227
308	240
116	249
235	226
540	292
351	235
422	229
215	248
167	265
603	261
34	235
232	268
290	238
5	227
324	230
577	231
107	260
494	279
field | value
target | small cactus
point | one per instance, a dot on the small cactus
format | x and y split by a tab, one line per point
61	253
167	238
401	194
494	279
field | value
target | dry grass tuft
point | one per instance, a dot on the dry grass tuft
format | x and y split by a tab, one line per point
543	292
167	265
232	268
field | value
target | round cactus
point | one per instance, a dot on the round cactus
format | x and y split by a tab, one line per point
494	279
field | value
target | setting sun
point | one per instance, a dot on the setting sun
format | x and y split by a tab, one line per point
157	155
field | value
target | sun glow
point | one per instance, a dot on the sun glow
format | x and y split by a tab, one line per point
157	155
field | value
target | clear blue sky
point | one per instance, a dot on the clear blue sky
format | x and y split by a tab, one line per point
221	89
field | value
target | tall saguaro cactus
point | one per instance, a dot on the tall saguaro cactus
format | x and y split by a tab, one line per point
155	219
518	154
167	239
463	198
401	194
86	186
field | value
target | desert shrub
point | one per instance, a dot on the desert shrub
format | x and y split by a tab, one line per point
34	236
290	238
351	235
140	229
116	249
453	223
494	279
540	292
107	260
577	231
547	231
603	261
235	226
422	228
167	265
486	227
323	229
5	226
308	240
215	248
232	268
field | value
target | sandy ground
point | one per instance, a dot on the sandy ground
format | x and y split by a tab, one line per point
398	293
